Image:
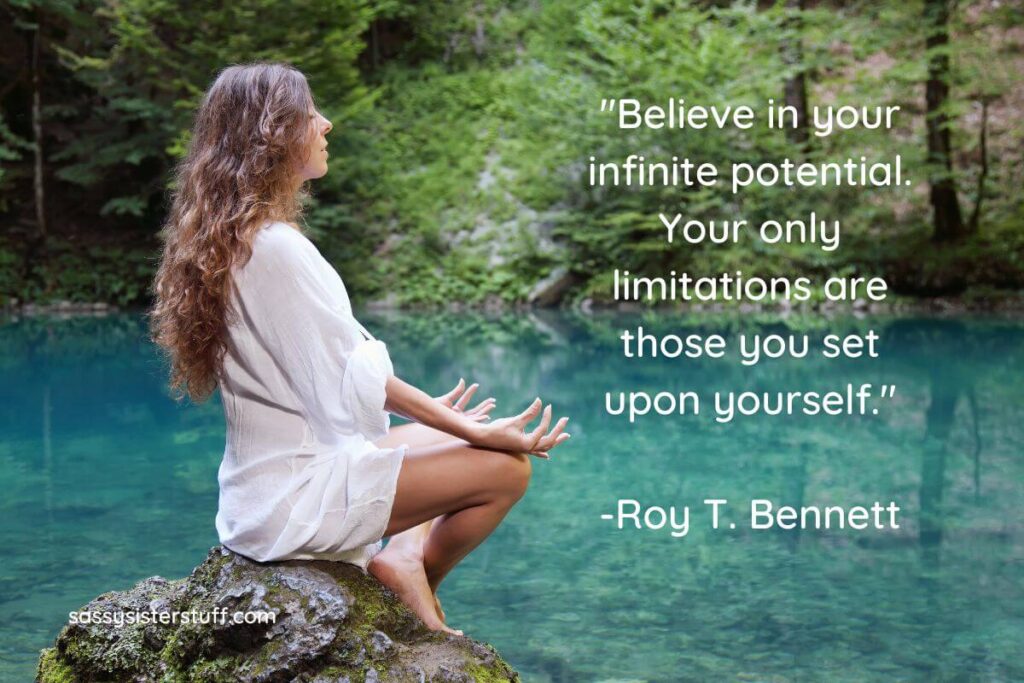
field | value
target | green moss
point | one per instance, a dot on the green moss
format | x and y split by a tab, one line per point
128	654
171	649
373	610
485	674
187	639
332	673
236	572
214	671
52	669
206	573
277	595
265	653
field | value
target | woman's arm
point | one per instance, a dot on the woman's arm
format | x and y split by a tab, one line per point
503	434
407	401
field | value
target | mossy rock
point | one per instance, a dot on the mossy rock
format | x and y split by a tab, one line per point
329	621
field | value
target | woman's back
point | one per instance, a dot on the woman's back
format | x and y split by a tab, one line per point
303	395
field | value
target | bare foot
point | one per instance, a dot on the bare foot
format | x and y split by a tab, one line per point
437	606
404	574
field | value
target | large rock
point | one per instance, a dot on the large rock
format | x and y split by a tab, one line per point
552	289
332	623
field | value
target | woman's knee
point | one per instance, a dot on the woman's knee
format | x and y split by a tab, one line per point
524	464
514	473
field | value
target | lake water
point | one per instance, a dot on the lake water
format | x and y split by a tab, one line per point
108	481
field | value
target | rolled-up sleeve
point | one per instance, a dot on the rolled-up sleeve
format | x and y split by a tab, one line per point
362	391
299	311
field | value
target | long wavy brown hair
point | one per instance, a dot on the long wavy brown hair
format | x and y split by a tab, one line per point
248	141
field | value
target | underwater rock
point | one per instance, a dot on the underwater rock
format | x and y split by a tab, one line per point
234	619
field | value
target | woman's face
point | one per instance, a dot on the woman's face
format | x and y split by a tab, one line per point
315	165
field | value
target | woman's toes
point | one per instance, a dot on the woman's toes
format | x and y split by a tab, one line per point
448	629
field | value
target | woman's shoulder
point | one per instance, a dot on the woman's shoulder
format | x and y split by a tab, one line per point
283	260
281	235
283	243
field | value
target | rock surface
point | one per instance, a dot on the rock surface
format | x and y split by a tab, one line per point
331	623
552	289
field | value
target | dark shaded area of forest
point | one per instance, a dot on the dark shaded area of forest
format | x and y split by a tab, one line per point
462	131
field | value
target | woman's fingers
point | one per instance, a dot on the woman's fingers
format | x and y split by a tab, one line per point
449	398
526	417
464	399
546	452
551	439
458	398
511	433
538	433
549	442
482	408
479	412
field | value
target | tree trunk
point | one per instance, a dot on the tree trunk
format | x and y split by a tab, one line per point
37	132
972	224
949	224
479	39
374	45
796	86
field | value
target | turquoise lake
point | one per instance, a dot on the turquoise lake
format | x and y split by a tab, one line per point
108	481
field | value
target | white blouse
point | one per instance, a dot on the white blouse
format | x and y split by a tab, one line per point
303	395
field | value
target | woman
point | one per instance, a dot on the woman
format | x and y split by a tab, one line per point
245	302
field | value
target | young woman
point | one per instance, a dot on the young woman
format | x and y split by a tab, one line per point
245	302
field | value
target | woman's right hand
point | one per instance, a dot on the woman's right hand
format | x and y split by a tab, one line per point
509	433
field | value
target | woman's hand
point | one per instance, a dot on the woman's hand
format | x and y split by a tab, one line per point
445	413
508	433
458	398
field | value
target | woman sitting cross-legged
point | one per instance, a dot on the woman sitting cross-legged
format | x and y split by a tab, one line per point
244	302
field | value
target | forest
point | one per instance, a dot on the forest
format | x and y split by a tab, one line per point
463	129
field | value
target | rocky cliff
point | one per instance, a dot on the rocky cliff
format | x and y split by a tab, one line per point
330	622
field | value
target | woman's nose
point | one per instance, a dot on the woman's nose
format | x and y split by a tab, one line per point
327	126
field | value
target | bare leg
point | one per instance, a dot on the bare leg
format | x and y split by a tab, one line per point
412	541
464	492
416	436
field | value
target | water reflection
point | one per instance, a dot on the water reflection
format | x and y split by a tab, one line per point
950	355
109	481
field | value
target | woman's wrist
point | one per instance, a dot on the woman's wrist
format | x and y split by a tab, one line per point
406	400
469	430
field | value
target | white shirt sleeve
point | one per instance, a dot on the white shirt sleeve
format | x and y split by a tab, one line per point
298	309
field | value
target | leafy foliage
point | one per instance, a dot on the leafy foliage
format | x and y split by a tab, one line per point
463	129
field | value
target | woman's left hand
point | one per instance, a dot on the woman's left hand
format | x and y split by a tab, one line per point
458	398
